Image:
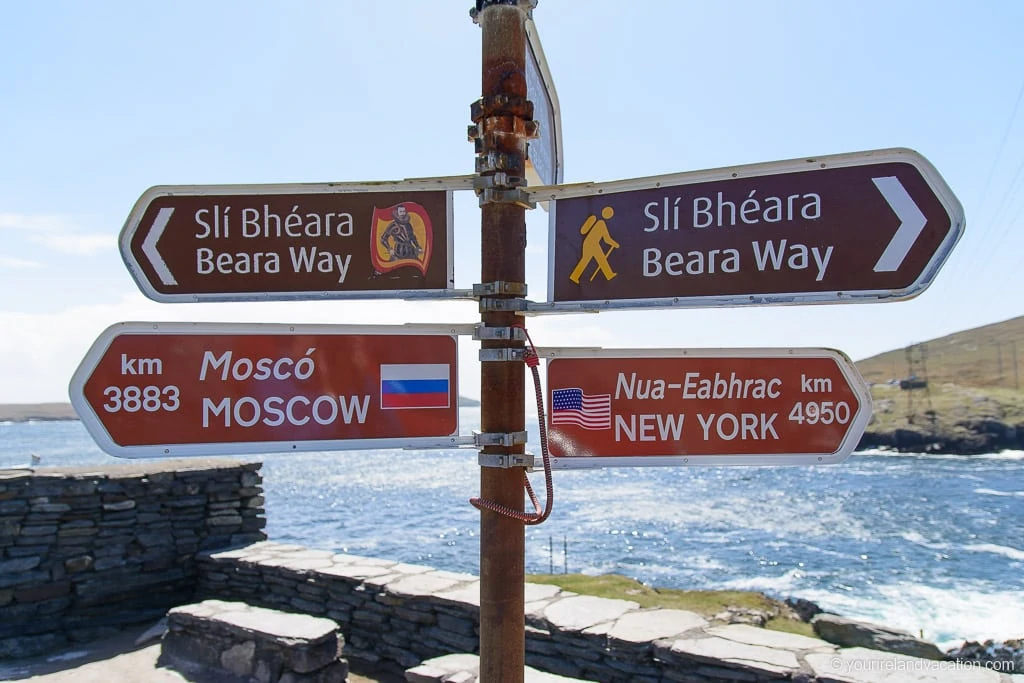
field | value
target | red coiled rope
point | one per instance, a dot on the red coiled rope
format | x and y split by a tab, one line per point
538	516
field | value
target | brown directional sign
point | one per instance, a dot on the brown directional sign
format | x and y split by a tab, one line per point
157	389
275	242
612	407
857	227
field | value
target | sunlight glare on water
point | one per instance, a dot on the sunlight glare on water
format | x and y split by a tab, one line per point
913	541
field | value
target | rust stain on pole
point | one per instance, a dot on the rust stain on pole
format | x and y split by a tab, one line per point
503	256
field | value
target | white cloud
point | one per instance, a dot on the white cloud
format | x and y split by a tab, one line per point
56	232
17	263
44	223
40	351
77	244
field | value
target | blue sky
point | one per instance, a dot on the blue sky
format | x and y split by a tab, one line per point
99	101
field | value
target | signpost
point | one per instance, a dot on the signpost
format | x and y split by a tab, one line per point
169	389
871	226
703	407
278	242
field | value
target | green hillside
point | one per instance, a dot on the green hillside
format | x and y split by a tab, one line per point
988	356
960	393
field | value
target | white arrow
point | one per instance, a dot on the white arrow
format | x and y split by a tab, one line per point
911	223
149	246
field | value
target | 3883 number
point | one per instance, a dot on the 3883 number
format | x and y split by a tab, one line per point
150	399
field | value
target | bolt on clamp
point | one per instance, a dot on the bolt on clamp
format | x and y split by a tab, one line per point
494	333
506	461
499	438
502	355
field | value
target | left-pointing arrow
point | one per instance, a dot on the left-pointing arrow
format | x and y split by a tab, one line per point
150	250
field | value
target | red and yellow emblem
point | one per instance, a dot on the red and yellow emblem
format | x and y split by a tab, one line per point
401	236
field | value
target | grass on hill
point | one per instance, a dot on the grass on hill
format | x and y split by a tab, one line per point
973	375
950	404
705	603
988	356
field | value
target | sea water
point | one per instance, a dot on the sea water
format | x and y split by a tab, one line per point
932	544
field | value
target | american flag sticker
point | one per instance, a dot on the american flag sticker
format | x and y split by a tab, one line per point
420	385
573	407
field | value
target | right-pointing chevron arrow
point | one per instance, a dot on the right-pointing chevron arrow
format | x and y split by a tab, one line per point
150	250
911	223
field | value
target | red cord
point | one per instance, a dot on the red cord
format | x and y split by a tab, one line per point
538	516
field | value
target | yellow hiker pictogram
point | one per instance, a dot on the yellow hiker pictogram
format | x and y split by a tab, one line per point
596	232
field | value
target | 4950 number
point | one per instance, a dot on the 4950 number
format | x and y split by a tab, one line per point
825	412
132	399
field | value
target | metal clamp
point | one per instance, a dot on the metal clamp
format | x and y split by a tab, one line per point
516	196
493	162
485	182
499	438
498	288
489	333
498	181
502	355
502	103
506	461
492	304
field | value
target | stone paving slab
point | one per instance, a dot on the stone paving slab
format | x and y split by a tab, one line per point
753	635
461	668
468	594
649	625
357	571
756	659
860	665
581	612
219	639
420	585
274	624
406	568
344	558
535	592
301	564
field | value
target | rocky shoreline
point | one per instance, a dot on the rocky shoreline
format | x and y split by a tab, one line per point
1005	656
966	437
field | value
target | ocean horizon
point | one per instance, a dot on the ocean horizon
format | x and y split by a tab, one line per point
932	544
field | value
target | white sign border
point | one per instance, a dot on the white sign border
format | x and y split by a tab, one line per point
536	52
94	425
445	184
858	423
931	176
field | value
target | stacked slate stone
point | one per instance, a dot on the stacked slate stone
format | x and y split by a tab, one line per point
84	552
401	615
391	613
219	640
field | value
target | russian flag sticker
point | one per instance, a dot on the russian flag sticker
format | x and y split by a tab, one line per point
422	385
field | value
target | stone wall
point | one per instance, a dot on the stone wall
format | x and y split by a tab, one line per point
84	551
402	614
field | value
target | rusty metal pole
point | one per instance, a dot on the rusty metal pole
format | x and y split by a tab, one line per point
503	118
